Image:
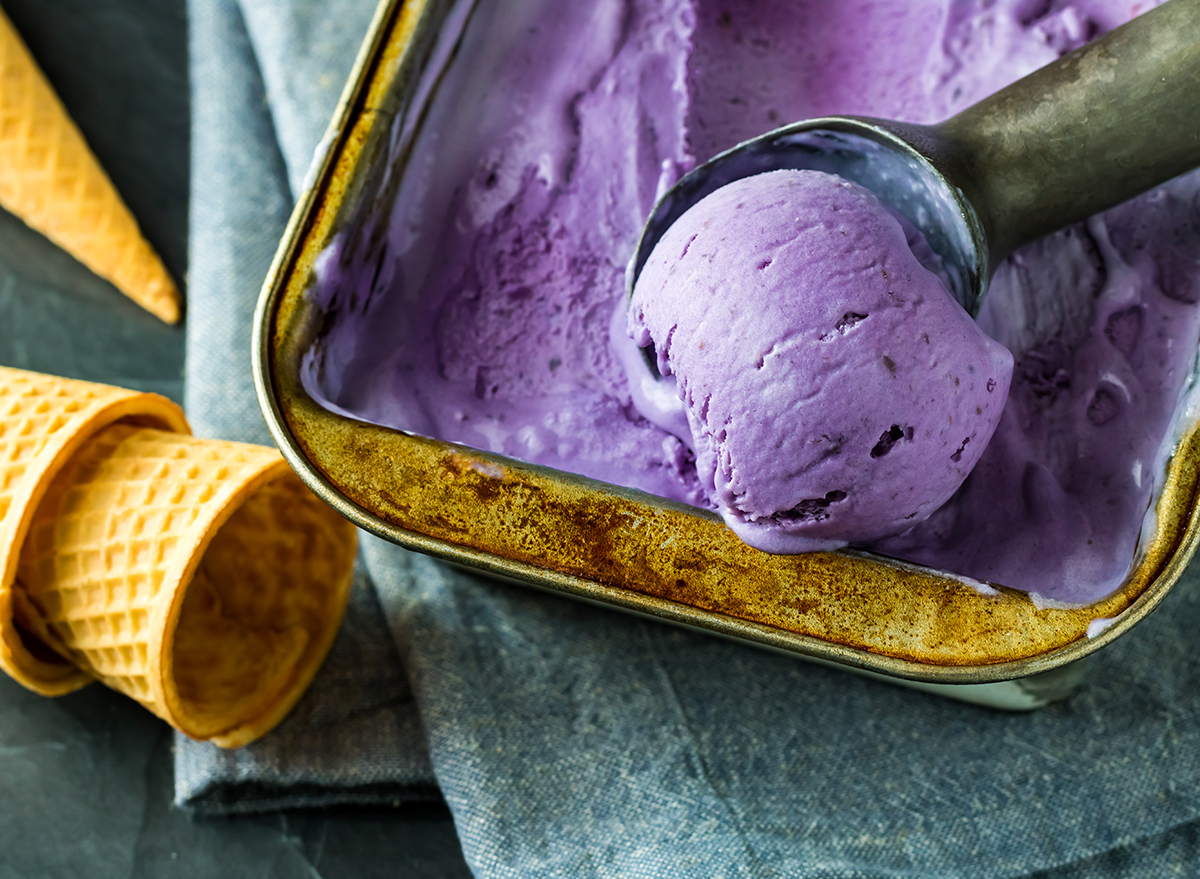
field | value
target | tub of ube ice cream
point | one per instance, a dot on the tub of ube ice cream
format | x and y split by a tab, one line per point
444	349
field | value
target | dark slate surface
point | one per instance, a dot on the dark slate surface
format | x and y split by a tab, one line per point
86	780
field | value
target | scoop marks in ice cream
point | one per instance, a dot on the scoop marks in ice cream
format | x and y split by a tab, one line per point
835	391
479	307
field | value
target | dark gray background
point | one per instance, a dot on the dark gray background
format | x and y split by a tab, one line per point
86	780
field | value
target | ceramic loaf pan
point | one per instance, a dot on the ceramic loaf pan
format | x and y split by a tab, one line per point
630	550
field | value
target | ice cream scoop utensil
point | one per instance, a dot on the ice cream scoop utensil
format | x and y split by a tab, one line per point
1083	134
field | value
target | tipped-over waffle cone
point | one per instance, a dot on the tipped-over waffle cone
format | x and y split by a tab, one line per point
43	422
198	576
51	180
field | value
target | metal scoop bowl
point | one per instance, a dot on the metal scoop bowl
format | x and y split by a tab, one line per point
1081	135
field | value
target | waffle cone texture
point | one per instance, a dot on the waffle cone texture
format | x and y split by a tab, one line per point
52	181
200	577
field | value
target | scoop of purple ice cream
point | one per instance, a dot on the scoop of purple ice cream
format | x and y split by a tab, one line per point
835	391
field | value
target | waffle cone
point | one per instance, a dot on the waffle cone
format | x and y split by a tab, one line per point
200	577
51	180
43	422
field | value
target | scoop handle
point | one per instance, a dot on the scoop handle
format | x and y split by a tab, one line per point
1083	134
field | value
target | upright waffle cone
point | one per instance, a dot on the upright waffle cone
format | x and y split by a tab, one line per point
50	179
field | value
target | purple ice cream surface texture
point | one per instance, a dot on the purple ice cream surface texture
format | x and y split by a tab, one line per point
835	391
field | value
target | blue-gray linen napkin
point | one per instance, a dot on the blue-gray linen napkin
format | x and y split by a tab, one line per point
355	736
571	741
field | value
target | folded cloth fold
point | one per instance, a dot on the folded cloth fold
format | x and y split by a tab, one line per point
571	741
355	737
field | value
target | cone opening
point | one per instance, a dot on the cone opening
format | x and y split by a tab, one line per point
37	648
259	613
43	670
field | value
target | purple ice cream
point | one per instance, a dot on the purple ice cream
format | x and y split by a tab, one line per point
477	307
834	390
